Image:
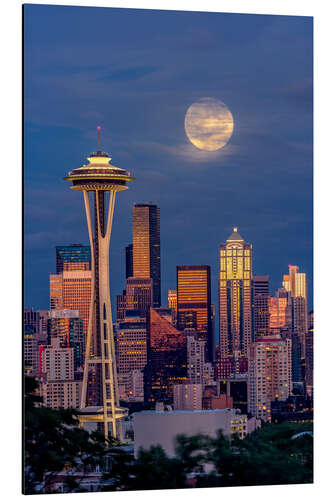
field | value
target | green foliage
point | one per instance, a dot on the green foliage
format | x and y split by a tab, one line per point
55	442
153	470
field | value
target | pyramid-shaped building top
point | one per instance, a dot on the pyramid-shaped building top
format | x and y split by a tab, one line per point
235	236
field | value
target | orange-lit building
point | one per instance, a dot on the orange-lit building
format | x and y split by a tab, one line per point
235	297
74	257
194	303
139	294
166	359
72	290
146	246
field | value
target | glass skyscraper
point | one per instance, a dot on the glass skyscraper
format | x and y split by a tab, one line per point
74	257
146	246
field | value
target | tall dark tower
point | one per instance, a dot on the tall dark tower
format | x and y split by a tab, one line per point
99	182
129	260
146	246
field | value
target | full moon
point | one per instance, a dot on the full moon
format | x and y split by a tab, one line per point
209	124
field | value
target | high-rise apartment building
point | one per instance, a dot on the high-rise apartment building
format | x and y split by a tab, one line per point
139	294
195	359
270	375
58	362
166	359
74	257
72	290
61	393
194	303
260	305
235	296
146	246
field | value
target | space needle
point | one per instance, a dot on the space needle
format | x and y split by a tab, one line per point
99	182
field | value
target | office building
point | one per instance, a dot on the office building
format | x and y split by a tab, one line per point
172	304
72	290
270	376
260	305
295	283
32	349
194	303
129	260
139	294
235	297
67	326
131	344
166	359
146	246
121	306
31	320
187	397
74	257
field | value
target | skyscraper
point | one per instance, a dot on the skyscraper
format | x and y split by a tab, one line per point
166	359
139	294
235	297
74	257
129	260
67	326
295	283
260	305
101	181
146	246
72	290
131	350
194	303
280	311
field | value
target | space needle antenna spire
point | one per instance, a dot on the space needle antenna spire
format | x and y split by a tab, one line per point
100	181
98	138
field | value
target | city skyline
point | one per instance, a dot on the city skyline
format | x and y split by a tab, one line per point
261	181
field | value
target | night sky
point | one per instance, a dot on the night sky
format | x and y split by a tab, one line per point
135	73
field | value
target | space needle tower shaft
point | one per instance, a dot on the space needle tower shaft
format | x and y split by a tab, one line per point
99	182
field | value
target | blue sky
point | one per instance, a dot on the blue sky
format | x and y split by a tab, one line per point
135	73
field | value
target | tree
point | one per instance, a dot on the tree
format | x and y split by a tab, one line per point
54	442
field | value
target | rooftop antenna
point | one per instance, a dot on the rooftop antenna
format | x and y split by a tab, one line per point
98	139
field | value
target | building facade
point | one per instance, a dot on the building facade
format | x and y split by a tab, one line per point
74	257
187	396
146	246
194	303
235	297
166	359
260	305
72	290
139	294
270	375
